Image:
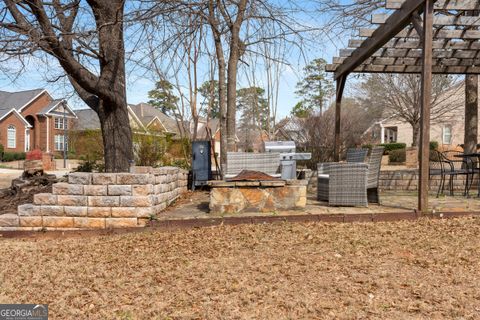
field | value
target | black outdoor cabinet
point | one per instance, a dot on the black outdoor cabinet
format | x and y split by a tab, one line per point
201	163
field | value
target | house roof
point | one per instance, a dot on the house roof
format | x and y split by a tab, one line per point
147	113
202	130
16	100
87	119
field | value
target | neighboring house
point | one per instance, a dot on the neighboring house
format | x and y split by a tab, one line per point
447	129
252	140
32	119
292	129
143	118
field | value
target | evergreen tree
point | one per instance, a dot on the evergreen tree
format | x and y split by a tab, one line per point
162	97
254	114
301	110
209	92
315	86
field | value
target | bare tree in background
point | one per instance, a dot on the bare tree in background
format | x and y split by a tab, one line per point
345	16
87	40
234	29
399	96
319	130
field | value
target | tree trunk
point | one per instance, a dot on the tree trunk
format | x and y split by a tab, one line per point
232	95
117	137
112	103
416	134
471	113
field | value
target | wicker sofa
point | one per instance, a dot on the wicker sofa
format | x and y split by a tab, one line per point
350	183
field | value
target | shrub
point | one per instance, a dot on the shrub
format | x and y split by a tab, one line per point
13	156
149	150
34	155
433	145
1	151
88	165
392	146
397	156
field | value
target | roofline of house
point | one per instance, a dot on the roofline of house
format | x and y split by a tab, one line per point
65	104
135	116
166	130
15	111
33	99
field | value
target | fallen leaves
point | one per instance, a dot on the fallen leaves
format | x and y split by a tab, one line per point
420	269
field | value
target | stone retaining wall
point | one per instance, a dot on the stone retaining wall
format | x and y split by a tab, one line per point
257	196
102	200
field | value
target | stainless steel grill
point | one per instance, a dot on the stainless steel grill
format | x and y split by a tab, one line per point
288	156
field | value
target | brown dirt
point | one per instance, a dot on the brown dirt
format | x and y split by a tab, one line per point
426	269
9	201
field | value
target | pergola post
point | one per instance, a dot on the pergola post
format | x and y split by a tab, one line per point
471	113
425	106
338	115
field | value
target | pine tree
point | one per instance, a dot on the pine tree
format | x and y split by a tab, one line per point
315	87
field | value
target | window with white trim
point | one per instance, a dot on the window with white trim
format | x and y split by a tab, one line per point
61	123
59	142
11	137
447	134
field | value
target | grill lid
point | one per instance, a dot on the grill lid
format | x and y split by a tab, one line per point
280	146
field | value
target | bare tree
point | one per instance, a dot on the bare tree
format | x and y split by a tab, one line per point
82	37
399	96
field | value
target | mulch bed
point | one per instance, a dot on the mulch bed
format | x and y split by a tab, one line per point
420	269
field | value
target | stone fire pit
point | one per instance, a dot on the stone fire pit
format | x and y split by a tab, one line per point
257	196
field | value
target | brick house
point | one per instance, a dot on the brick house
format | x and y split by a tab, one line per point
32	119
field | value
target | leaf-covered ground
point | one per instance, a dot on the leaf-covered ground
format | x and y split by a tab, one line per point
427	269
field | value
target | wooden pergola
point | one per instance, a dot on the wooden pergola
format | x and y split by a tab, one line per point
420	36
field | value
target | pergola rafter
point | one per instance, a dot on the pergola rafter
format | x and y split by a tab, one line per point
444	41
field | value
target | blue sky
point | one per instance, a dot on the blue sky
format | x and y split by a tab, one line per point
35	76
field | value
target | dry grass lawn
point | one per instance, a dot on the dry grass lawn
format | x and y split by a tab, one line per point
428	269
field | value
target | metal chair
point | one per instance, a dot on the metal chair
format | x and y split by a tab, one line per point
444	164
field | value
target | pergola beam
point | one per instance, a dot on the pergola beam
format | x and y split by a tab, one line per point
438	34
415	53
437	21
440	62
407	43
372	68
440	4
394	24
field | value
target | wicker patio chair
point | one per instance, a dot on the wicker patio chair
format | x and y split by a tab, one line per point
356	155
373	176
343	184
350	184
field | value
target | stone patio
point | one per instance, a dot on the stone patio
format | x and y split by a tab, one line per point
195	206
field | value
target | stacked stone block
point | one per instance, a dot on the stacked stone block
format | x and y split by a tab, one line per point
104	200
257	196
